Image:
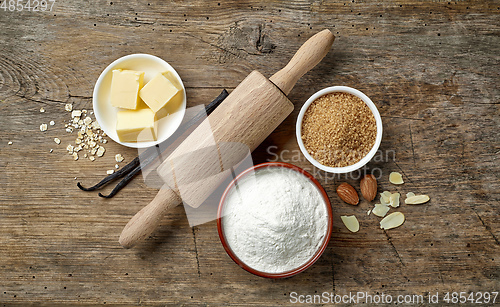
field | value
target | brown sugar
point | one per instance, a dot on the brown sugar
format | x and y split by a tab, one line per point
338	129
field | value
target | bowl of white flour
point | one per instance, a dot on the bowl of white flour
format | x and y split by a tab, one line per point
274	220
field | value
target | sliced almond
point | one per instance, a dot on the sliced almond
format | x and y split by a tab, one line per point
393	220
350	222
394	200
385	197
417	199
380	210
396	178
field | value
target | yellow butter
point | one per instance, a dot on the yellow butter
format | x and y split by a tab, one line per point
172	78
136	125
158	92
177	100
125	87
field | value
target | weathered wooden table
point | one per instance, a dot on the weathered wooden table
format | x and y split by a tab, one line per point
432	69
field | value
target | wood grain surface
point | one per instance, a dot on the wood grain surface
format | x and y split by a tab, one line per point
431	67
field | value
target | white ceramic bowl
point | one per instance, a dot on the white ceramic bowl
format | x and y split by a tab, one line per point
105	113
372	107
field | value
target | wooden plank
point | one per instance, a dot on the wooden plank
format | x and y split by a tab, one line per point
431	68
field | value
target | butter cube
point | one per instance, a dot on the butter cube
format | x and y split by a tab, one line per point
177	100
136	125
125	87
158	92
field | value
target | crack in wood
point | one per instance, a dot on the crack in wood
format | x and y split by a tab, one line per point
488	228
210	87
333	277
262	45
258	44
412	149
49	99
397	254
401	117
211	44
440	276
409	179
79	96
394	248
143	22
76	96
41	101
196	251
248	52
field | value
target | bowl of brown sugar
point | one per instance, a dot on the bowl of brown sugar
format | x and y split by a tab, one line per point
339	129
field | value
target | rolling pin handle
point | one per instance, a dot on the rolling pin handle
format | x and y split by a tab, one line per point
308	56
147	220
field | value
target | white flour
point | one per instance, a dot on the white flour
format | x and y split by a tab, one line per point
275	221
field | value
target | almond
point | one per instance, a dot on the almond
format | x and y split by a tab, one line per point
417	199
393	220
350	222
396	178
347	193
368	187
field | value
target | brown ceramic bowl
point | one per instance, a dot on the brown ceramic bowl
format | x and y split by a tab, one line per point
316	255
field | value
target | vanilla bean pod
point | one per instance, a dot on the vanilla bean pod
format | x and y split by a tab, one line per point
123	182
118	174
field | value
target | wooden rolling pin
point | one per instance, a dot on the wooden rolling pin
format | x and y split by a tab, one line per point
243	120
